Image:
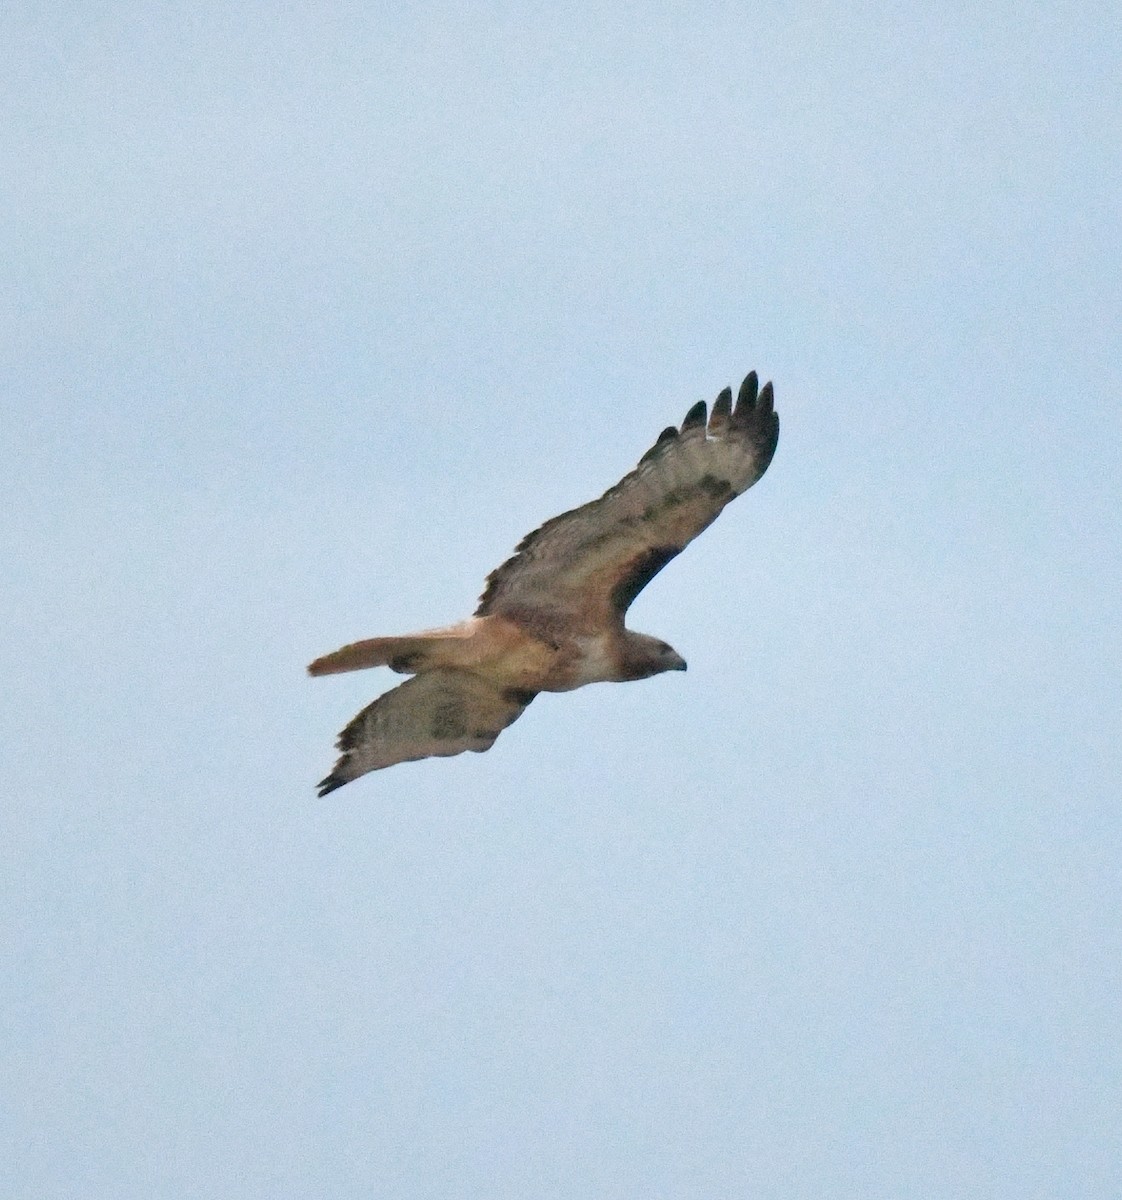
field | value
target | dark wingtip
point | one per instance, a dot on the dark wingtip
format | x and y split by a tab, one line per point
746	399
722	406
329	784
695	418
766	439
766	401
667	435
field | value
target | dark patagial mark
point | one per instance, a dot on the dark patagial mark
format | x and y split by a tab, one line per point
405	664
640	572
549	627
516	695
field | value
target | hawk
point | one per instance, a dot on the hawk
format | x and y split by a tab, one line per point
551	618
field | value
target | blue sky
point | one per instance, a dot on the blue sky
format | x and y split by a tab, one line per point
309	315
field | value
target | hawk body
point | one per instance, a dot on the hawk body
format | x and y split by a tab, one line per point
551	618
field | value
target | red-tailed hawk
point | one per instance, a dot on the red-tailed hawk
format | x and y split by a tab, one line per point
551	617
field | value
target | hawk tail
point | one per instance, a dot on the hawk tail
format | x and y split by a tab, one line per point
405	655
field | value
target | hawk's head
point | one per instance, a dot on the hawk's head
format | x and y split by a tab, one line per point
644	656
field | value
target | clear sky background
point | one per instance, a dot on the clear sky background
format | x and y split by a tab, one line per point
309	313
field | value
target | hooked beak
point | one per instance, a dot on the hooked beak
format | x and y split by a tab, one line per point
678	663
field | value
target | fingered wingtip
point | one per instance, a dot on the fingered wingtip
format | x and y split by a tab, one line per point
695	418
669	434
722	406
755	406
746	397
329	784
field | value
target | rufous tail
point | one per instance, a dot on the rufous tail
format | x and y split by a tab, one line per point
402	654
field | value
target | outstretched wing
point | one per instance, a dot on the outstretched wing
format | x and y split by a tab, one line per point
587	565
437	713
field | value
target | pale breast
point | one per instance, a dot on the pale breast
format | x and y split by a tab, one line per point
546	660
594	660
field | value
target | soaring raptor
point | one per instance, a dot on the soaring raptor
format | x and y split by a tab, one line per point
551	617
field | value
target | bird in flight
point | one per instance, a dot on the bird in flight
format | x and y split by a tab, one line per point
551	618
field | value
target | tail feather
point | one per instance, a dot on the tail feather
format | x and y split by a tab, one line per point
406	655
373	652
